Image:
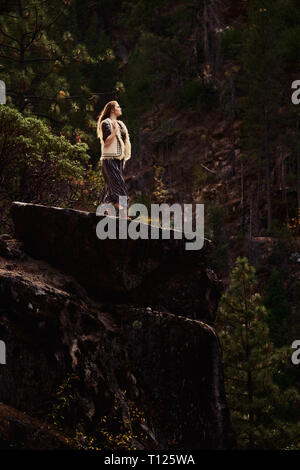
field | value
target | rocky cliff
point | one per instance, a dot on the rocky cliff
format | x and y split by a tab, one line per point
85	370
147	272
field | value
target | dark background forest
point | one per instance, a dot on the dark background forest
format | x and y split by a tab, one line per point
205	89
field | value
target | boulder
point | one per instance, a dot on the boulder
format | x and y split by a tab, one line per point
160	273
122	357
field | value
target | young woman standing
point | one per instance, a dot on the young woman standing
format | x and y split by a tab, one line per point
115	151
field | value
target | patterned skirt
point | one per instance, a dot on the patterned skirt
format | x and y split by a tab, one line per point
114	184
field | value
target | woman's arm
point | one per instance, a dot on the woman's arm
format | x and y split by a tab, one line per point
107	134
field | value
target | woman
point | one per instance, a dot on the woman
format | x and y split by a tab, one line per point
115	151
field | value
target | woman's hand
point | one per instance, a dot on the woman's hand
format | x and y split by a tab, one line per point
113	133
115	126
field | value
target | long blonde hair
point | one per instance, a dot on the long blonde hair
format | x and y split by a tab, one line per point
108	108
126	149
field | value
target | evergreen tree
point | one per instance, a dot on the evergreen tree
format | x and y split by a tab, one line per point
279	310
262	412
56	61
266	50
262	66
39	167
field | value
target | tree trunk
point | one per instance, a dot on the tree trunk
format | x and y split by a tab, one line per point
267	173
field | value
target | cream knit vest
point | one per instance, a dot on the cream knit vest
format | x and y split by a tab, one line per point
117	148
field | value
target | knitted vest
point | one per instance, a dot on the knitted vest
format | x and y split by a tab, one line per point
117	147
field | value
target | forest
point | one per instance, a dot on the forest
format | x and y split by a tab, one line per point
206	90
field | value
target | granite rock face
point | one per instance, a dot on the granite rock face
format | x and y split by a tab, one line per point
20	431
158	273
167	365
81	367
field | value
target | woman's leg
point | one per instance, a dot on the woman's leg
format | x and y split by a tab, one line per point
113	176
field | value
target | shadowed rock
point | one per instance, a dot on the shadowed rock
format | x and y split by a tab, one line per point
165	365
159	273
20	431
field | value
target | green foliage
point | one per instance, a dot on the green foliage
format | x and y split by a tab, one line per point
154	60
54	59
115	431
262	411
295	293
160	191
162	37
197	94
143	198
289	41
279	314
120	434
66	399
139	81
139	14
278	229
261	58
201	176
232	42
214	222
39	167
279	254
263	50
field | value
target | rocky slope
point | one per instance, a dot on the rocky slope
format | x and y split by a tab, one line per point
83	372
195	151
160	272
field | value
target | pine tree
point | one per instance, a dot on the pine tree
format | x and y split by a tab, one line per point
56	62
277	304
261	411
262	66
265	49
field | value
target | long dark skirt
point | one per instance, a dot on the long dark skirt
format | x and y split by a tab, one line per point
114	184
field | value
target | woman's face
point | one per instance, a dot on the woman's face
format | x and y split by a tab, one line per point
117	110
